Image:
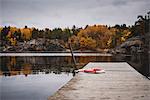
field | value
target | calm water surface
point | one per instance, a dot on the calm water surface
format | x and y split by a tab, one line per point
36	78
33	78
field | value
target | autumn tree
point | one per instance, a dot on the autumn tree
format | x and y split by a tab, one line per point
87	43
74	40
120	34
26	33
99	34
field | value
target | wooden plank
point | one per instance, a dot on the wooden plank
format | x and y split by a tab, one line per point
120	82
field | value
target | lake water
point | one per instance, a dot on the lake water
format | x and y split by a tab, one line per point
37	77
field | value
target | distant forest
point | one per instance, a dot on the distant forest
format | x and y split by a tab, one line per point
88	38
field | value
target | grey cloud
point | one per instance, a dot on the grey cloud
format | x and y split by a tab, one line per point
120	2
64	13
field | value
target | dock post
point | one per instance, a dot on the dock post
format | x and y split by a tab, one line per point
74	60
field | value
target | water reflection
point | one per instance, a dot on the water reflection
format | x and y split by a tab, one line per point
31	75
23	77
34	65
11	66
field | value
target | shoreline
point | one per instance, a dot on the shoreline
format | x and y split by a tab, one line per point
55	54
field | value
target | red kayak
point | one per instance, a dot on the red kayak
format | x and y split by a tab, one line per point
93	70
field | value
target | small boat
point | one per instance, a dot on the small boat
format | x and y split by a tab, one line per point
93	70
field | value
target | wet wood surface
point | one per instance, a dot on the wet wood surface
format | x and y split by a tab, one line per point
119	82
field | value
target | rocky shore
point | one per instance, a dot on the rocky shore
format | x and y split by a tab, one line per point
131	46
35	45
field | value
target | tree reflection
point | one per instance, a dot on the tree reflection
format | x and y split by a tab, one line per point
34	65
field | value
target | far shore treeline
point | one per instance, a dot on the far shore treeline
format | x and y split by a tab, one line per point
91	37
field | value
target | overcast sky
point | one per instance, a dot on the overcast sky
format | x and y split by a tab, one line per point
66	13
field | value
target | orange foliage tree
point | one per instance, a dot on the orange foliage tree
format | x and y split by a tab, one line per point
26	33
93	37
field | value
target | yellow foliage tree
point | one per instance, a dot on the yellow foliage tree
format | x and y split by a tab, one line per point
13	29
99	34
126	35
1	29
87	43
26	33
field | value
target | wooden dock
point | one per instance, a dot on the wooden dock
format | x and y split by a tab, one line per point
119	82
